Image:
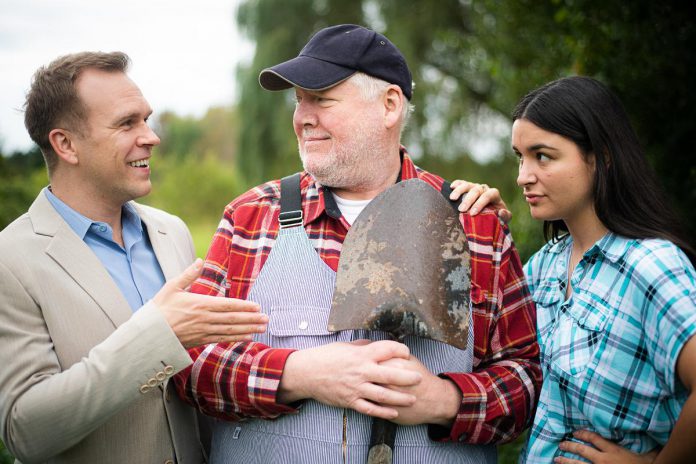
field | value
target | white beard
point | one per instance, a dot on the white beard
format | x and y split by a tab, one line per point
358	164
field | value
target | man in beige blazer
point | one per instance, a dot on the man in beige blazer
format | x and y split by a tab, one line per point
84	371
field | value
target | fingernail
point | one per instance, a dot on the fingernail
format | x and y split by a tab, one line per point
474	211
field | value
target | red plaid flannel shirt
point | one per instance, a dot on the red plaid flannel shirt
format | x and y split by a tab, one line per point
237	380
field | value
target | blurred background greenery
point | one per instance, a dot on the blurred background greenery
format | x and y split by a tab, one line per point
471	60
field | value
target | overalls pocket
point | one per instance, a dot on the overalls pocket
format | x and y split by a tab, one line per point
301	327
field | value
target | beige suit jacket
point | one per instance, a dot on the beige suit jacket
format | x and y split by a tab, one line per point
83	379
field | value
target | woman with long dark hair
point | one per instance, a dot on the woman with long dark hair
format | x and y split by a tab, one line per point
615	286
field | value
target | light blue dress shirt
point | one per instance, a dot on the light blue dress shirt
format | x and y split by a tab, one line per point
134	267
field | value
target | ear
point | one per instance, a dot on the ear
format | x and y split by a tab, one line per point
63	144
394	101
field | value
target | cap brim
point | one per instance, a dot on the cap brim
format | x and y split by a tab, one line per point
305	72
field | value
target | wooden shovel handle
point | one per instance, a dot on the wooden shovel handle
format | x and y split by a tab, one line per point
381	442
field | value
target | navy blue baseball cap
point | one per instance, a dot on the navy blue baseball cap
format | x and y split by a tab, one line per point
334	54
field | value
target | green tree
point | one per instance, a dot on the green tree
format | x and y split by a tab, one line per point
473	60
267	145
22	175
215	133
193	170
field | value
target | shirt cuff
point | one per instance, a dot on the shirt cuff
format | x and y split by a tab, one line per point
468	425
264	380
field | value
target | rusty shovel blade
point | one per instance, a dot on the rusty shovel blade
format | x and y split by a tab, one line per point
404	268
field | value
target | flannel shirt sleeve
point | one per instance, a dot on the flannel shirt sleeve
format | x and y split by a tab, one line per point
231	380
500	395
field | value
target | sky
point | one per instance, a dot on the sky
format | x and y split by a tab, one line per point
184	53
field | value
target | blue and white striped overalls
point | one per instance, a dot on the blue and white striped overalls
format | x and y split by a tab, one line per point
295	288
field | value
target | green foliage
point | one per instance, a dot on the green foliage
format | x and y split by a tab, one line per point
195	188
510	452
193	171
473	60
22	176
267	145
215	133
5	456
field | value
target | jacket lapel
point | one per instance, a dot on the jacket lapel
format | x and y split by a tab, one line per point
162	243
78	260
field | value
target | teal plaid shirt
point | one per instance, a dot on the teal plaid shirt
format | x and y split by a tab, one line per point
609	352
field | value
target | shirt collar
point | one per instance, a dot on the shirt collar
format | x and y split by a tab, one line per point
326	203
560	245
80	224
130	218
611	246
77	222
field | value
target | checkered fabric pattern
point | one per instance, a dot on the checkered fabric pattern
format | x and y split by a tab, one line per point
609	352
237	380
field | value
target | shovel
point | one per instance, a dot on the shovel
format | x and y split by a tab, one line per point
404	269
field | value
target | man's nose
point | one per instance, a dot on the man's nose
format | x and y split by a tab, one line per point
305	115
148	137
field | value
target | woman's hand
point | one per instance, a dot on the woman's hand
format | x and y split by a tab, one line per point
601	452
477	197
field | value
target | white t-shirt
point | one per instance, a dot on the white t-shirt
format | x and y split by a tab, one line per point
350	208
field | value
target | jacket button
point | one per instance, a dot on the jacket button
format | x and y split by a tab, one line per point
168	461
144	389
160	376
303	325
152	383
169	369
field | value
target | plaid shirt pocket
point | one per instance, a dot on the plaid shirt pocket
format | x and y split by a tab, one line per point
547	299
578	332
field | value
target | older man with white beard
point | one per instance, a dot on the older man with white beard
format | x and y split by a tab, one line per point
353	88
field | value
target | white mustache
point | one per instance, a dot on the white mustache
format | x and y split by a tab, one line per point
315	135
